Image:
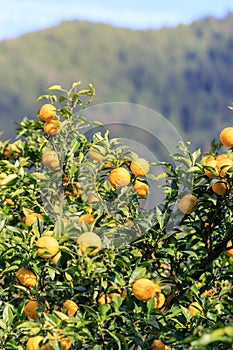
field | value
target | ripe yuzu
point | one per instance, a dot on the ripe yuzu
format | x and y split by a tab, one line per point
70	307
159	300
56	258
11	150
212	163
30	309
50	159
145	289
89	240
221	187
223	165
106	298
32	218
26	277
187	204
87	218
226	136
195	308
48	247
229	251
47	112
139	166
33	343
157	345
52	127
141	188
119	177
97	152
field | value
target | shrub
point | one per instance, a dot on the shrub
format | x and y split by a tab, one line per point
182	252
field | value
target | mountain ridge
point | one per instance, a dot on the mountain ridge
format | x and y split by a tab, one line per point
183	72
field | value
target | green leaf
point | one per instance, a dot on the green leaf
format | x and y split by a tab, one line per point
139	272
55	87
7	315
52	273
9	180
61	315
75	84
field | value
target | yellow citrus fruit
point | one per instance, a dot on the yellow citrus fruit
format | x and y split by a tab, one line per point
48	246
32	218
9	202
229	251
221	187
50	159
210	163
141	188
139	166
97	152
33	343
108	297
65	343
26	277
47	112
107	165
188	203
11	151
117	291
119	177
70	307
157	345
226	136
145	289
221	156
206	158
159	300
89	240
92	198
195	308
87	218
104	299
223	165
56	258
30	309
52	127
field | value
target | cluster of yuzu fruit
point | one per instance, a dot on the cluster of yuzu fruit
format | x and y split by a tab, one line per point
49	248
47	114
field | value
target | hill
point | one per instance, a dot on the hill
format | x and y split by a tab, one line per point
183	72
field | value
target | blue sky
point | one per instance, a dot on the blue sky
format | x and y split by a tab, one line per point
21	16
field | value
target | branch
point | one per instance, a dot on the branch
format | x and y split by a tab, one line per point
181	288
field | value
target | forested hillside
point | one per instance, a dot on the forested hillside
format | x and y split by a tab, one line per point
185	73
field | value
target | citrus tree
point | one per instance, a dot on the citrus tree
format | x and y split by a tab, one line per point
83	264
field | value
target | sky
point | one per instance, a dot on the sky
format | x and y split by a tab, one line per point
18	17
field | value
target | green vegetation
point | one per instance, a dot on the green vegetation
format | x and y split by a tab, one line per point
83	265
181	72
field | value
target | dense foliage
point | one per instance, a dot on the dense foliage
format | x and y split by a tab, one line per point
181	72
179	247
